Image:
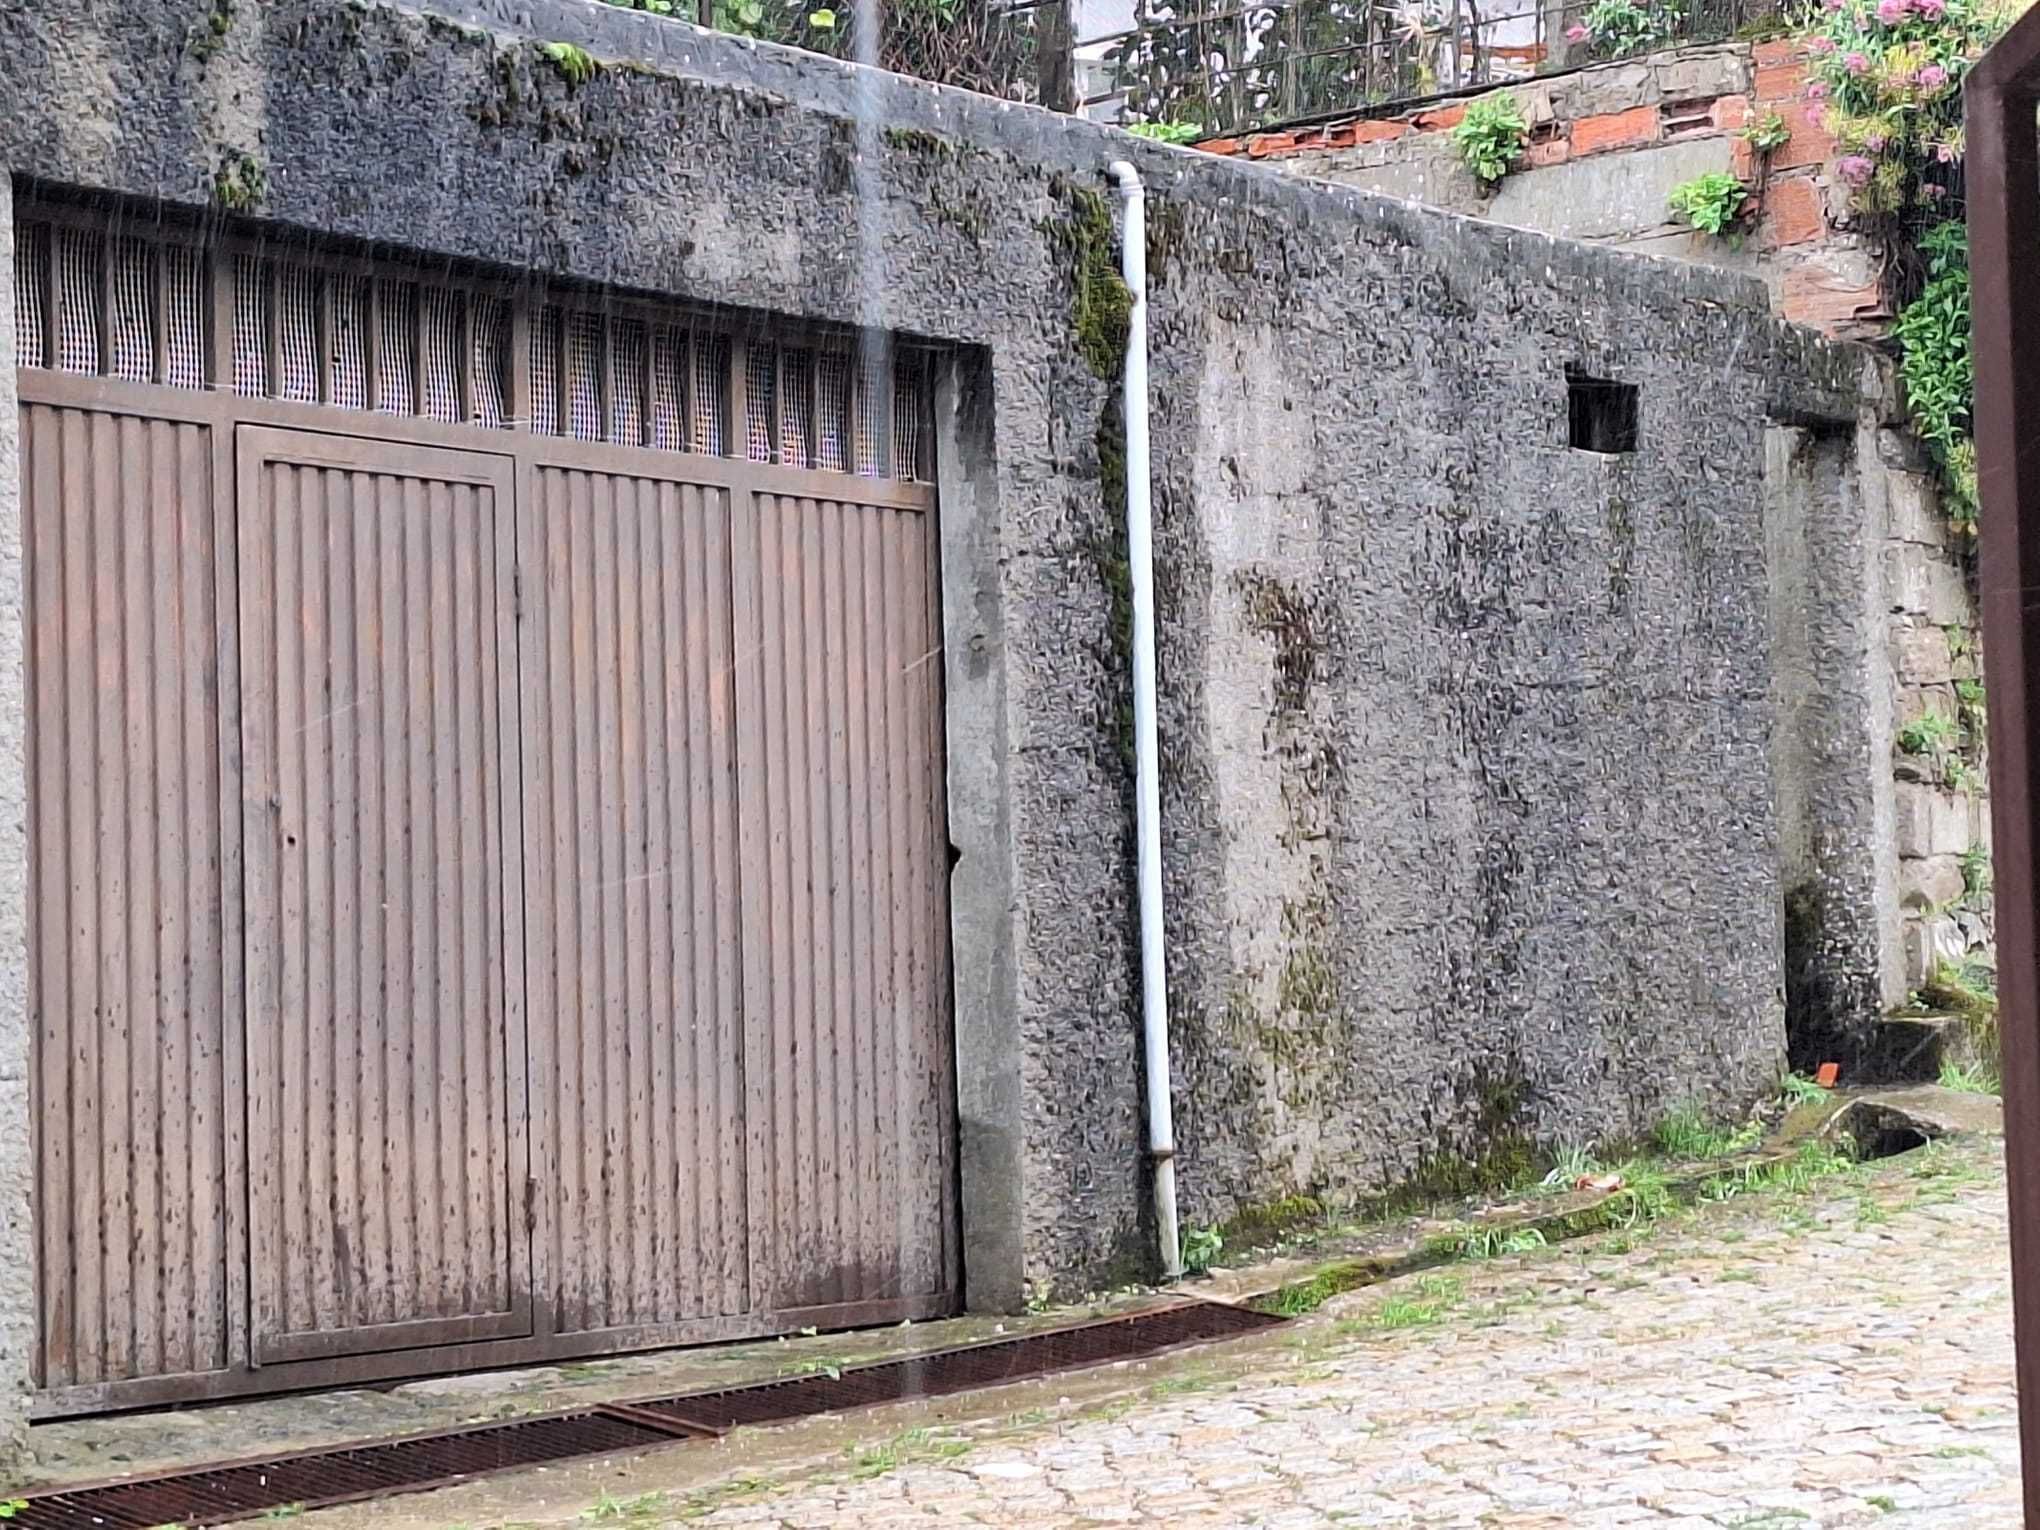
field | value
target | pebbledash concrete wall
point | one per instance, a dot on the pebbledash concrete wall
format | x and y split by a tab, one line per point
1470	831
1608	144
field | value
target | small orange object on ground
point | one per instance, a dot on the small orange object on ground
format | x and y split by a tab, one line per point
1826	1075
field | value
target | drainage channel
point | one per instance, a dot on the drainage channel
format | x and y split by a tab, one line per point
242	1489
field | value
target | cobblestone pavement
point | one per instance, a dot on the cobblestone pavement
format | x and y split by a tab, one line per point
1837	1357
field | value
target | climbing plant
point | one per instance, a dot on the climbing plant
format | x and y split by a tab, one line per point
1890	73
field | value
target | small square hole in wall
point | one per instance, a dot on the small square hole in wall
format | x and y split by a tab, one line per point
1601	415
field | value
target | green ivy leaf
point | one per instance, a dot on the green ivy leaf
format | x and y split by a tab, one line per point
823	20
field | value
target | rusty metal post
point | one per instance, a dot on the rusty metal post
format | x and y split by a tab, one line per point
1056	57
2003	173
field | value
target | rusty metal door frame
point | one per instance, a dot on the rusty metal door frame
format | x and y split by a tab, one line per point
2000	99
794	435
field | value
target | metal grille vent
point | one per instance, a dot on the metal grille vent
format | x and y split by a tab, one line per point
299	326
31	290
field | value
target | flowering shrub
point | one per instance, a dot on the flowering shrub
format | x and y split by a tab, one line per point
1891	72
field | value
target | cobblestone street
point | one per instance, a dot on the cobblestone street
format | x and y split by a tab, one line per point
1838	1356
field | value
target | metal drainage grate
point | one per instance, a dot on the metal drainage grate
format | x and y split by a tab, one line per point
240	1490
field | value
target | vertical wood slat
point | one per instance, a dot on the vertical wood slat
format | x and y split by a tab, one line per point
126	929
380	1134
629	754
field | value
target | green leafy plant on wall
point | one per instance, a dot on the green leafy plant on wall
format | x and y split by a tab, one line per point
1619	28
1712	203
1491	137
1940	378
1167	132
1201	1248
1767	134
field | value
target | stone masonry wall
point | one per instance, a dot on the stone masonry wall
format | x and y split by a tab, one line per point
1607	146
1463	736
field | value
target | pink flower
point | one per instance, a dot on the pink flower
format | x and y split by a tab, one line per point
1935	193
1933	10
1874	142
1892	12
1855	169
1933	77
1945	153
1821	45
1577	33
1817	91
1856	63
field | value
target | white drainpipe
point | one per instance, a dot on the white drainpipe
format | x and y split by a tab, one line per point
1140	557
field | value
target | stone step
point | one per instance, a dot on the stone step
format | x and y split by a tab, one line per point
1911	1049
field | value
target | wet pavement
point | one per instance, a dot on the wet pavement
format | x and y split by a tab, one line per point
1840	1355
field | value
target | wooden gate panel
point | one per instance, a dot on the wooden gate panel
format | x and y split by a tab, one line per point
630	816
384	1062
846	1038
126	934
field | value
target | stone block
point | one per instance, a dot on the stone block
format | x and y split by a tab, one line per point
1593	92
1930	882
1928	943
1698	74
1930	820
1924	582
1606	196
1915	513
1615	130
1919	655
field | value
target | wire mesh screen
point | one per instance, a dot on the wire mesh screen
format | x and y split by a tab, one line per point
79	300
708	422
490	363
442	364
183	318
31	295
348	383
251	326
629	353
396	347
131	327
759	403
297	350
